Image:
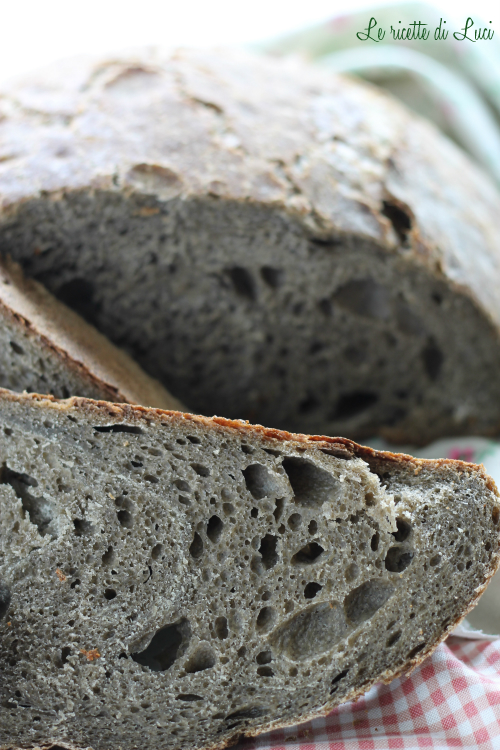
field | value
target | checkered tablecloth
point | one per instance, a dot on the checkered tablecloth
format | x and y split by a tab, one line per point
451	701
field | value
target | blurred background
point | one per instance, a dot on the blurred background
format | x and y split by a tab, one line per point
35	32
455	83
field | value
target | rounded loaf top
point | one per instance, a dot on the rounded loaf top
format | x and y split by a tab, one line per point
338	154
340	164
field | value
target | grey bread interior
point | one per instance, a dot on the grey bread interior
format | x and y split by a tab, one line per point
240	312
177	581
26	365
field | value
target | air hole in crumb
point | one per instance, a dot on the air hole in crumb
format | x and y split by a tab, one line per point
398	559
308	405
248	712
65	652
196	547
325	306
265	672
247	449
495	514
435	560
189	697
108	556
221	629
313	527
369	500
202	471
338	678
254	512
394	638
243	282
278	510
403	530
308	554
265	619
375	541
156	551
40	510
109	594
167	645
312	589
415	651
131	429
364	297
353	404
310	632
259	481
273	277
432	358
82	527
352	573
365	600
228	509
268	551
264	657
312	486
151	478
214	529
182	485
295	521
75	583
203	658
193	439
5	598
16	348
125	519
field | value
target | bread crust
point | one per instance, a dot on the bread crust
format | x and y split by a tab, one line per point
108	413
78	346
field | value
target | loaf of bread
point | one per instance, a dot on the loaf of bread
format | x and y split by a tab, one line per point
271	241
177	581
47	348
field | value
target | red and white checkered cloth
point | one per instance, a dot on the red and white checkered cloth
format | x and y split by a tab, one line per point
452	700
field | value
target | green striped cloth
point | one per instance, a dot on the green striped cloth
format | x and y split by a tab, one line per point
454	83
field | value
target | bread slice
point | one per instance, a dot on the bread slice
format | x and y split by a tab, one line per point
178	581
47	348
270	240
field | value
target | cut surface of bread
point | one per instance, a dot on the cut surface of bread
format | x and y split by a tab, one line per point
177	581
45	347
270	240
